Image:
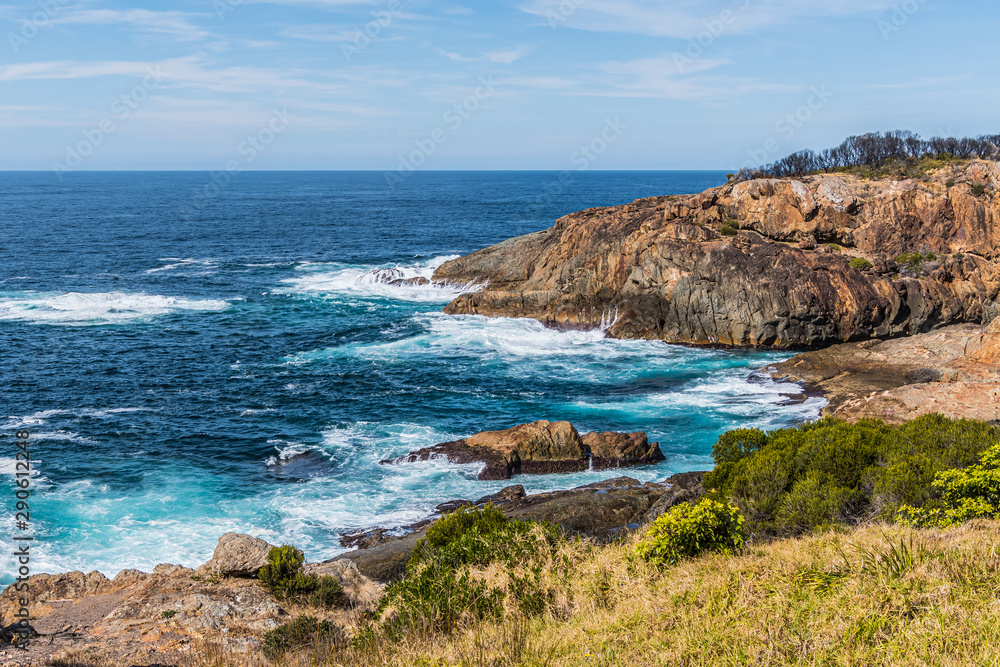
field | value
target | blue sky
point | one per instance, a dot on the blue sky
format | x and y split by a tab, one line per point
494	84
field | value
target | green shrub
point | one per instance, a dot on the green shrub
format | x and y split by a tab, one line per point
911	259
688	530
860	264
302	632
731	447
730	228
168	613
283	578
461	522
439	591
950	183
833	246
978	189
830	472
968	493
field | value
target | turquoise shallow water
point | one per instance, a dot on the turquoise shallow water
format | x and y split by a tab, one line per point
239	366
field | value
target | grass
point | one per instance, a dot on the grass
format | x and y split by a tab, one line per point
877	595
903	168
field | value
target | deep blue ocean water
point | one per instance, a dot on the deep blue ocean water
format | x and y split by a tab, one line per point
192	365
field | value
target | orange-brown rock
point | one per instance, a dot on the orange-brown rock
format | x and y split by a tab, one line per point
664	268
141	618
954	371
542	447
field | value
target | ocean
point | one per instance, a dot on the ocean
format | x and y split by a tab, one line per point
194	355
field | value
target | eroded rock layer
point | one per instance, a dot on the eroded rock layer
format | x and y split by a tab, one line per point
542	447
762	263
954	371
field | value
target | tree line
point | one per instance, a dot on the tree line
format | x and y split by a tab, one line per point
877	149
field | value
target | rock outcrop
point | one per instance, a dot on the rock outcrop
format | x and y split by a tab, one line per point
141	618
599	511
954	371
542	447
238	556
761	263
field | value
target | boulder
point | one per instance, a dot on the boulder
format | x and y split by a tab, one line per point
541	447
238	556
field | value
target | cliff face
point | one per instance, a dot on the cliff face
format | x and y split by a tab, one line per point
665	268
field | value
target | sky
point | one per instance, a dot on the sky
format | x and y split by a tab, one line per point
491	84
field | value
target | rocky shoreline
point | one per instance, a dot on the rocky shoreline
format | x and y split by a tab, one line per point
162	616
768	263
895	280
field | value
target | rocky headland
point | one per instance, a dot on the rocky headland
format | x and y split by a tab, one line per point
786	263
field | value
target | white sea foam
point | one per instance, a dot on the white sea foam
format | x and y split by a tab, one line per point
200	266
339	281
76	308
508	340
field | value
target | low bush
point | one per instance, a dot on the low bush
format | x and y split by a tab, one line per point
978	189
911	259
443	587
282	576
950	183
688	530
302	632
730	228
968	493
825	473
860	264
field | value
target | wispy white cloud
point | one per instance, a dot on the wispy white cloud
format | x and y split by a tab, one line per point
320	33
172	23
501	56
508	56
686	18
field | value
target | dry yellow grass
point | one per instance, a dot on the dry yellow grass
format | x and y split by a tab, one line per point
879	595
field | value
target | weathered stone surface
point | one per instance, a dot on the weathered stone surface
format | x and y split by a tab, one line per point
954	371
542	447
600	511
239	556
145	619
660	268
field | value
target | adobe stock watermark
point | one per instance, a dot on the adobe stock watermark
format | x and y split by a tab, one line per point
225	7
369	32
788	125
23	540
563	12
121	108
715	28
248	151
31	26
898	17
582	159
453	118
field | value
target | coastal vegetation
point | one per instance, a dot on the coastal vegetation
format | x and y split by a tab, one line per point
897	154
828	543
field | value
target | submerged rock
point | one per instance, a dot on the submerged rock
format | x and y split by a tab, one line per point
542	447
761	263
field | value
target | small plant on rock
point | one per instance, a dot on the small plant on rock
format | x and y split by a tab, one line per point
978	189
282	576
688	530
860	264
302	632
